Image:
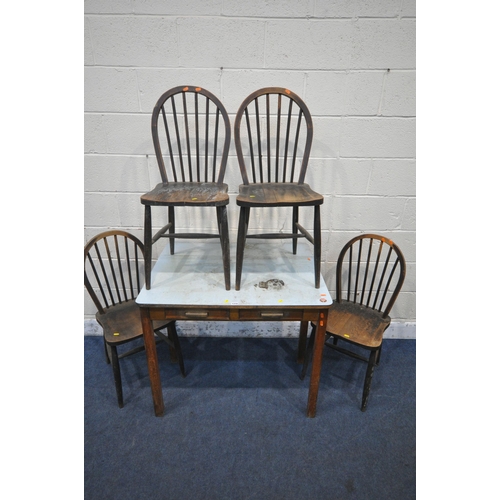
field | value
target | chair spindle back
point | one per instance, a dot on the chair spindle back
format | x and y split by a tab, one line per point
273	135
193	126
114	268
370	271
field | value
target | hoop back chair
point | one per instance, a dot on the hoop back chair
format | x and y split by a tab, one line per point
273	134
113	276
370	273
191	136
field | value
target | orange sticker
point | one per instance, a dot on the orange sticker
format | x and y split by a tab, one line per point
287	91
185	88
198	89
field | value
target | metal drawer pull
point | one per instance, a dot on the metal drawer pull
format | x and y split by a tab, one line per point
195	314
271	315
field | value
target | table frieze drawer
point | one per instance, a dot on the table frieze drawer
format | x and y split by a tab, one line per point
196	314
271	315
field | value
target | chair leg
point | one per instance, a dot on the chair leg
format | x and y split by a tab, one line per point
379	351
171	219
174	358
308	354
174	338
240	243
224	240
317	245
106	353
295	220
117	375
148	242
368	378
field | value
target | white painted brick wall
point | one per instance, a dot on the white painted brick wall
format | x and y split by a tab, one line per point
352	61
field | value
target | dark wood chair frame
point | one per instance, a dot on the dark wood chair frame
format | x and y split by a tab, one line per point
194	181
365	304
272	183
113	277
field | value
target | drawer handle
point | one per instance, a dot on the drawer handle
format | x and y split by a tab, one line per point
271	315
195	314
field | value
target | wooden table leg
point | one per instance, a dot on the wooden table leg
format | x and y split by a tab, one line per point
302	341
319	342
152	356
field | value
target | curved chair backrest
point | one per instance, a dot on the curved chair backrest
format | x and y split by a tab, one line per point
113	268
275	137
370	271
195	130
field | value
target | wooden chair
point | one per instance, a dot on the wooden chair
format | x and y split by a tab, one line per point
273	133
113	269
369	276
193	126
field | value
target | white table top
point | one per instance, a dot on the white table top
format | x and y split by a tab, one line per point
194	276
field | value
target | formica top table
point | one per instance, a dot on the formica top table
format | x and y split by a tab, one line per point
275	286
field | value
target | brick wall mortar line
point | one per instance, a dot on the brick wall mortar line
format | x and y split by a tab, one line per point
381	101
236	69
360	117
290	70
263	18
265	45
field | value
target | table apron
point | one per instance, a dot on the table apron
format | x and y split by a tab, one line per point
234	314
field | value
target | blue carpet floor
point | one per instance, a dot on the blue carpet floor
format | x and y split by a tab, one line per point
236	426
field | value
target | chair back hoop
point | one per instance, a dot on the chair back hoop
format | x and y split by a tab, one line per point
113	268
195	131
370	271
273	134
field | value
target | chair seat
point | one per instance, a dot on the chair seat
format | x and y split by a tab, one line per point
357	323
124	319
187	193
276	194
